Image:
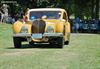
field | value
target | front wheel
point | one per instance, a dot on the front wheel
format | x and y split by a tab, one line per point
60	42
17	42
66	42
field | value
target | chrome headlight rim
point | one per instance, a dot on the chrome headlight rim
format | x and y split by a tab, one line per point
50	29
24	29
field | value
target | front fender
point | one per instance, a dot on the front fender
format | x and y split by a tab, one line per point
17	26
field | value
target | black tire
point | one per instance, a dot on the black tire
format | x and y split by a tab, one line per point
60	42
17	42
66	42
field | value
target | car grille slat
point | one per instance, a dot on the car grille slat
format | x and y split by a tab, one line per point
38	26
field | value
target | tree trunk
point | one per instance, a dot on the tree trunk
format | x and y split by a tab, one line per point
97	9
92	10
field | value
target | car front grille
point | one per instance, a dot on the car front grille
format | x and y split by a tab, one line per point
38	26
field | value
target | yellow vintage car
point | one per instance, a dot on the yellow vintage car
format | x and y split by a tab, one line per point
42	25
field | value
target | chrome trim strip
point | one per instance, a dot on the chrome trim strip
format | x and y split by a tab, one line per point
22	35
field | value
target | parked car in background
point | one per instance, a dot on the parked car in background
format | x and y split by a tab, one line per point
43	25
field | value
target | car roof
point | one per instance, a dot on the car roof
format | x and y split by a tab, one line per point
47	9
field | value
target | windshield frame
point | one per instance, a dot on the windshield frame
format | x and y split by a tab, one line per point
44	11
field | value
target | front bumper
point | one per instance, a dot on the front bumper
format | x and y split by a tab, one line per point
52	34
22	35
43	38
43	35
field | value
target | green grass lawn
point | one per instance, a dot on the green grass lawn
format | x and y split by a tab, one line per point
83	52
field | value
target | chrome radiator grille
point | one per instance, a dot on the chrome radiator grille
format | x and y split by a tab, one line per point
38	26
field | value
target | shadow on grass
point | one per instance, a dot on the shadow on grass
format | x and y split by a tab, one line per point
42	46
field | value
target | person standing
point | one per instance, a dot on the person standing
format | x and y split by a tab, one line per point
77	20
4	13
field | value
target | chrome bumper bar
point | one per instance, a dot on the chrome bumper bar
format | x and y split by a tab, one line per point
22	35
53	34
43	35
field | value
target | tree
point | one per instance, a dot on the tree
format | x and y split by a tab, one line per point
81	8
97	9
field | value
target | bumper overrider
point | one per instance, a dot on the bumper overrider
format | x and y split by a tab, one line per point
38	36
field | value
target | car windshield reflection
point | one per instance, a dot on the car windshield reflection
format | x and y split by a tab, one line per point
48	14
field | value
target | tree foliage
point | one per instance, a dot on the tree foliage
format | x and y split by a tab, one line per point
80	8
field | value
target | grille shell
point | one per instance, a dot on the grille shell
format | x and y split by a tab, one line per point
38	26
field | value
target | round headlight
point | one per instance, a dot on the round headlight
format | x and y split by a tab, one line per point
50	29
24	29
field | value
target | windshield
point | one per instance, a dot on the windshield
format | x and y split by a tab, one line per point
48	14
